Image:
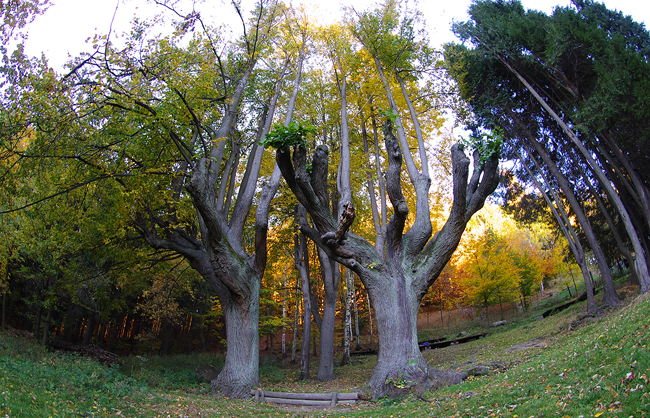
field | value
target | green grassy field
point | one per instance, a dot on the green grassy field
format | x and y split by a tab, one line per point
561	366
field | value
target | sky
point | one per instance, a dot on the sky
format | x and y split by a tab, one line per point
65	27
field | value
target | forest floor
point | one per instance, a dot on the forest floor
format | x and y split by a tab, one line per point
566	365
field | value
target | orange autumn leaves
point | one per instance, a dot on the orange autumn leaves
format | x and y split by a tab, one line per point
499	261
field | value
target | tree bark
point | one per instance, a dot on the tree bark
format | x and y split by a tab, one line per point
347	326
284	315
48	322
370	320
90	325
356	317
4	310
295	327
329	269
613	228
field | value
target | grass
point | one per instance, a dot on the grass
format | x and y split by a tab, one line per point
556	367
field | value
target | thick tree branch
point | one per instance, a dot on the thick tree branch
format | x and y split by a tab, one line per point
395	226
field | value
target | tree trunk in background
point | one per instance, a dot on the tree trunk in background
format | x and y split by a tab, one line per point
167	329
4	311
302	264
370	319
37	321
565	224
356	317
295	327
48	322
614	230
610	297
573	202
204	344
347	325
284	315
90	326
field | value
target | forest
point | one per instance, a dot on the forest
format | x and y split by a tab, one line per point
282	187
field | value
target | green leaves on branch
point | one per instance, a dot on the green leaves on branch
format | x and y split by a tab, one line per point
293	134
488	145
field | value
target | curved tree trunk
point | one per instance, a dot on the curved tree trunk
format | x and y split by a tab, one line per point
614	230
610	297
565	224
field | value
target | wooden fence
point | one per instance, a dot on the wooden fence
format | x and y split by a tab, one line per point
306	399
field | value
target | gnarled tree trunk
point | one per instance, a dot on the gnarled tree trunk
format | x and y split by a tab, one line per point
240	370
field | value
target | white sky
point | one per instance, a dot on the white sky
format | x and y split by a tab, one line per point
64	28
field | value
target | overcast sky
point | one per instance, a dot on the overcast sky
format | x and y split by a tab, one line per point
64	28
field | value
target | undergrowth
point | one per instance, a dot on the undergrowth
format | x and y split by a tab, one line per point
565	365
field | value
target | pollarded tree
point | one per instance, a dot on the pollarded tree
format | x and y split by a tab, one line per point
168	124
398	276
397	279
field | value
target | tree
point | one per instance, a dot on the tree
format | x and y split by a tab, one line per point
579	67
493	276
164	122
15	15
397	278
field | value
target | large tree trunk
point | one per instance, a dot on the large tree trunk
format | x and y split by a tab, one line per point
331	282
400	365
240	371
